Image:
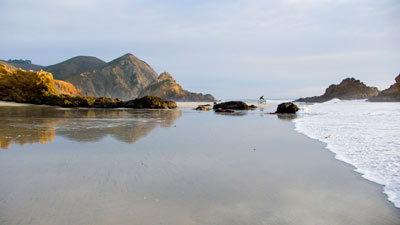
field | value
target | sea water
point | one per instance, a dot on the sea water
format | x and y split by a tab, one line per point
363	134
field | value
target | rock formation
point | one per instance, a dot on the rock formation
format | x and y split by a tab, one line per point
231	105
287	107
67	88
166	87
40	88
150	102
392	94
348	89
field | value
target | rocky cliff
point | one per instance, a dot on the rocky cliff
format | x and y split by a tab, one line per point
166	87
124	77
348	89
67	88
392	94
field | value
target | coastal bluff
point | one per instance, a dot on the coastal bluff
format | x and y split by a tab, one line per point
392	94
166	87
348	89
39	87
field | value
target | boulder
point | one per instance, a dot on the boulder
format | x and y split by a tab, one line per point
287	107
232	105
150	102
202	108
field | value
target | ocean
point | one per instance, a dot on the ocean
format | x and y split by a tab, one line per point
363	134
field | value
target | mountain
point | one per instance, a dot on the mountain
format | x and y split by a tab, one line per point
392	94
23	64
166	87
74	66
124	77
348	89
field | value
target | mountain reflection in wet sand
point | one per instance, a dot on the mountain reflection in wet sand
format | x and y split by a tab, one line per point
30	125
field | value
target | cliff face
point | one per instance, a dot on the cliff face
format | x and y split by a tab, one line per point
348	89
123	78
74	66
67	88
166	87
25	86
392	94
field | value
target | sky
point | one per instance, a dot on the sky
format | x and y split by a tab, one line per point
232	49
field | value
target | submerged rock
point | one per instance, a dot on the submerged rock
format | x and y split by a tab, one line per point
150	102
392	94
348	89
287	107
202	108
232	105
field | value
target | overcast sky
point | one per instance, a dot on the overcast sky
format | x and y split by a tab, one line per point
230	48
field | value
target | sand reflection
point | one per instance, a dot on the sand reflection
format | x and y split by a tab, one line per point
30	125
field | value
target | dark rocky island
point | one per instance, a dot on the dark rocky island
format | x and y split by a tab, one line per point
348	89
392	94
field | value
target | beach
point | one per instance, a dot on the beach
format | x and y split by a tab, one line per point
124	166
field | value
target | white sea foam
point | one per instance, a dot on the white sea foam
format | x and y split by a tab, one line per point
364	134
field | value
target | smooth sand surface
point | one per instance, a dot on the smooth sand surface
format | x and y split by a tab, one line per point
179	167
4	103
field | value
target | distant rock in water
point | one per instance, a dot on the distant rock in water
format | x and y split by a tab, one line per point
287	107
74	66
166	87
348	89
232	105
124	77
392	94
23	64
67	88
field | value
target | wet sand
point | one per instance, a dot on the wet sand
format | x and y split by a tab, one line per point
175	167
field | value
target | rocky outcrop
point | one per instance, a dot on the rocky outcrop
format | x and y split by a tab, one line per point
74	66
67	88
232	105
23	64
25	86
348	89
392	94
166	87
287	107
150	102
39	88
124	77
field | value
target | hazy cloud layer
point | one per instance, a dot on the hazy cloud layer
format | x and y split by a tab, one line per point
233	49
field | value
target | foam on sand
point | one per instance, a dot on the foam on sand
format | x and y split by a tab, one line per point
364	134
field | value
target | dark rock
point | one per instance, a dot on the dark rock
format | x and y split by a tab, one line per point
252	107
202	108
221	110
150	102
392	94
287	107
232	105
348	89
